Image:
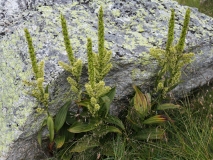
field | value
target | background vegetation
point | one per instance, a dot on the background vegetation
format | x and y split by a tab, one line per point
204	6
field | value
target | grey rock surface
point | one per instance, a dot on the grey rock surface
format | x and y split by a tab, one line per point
131	28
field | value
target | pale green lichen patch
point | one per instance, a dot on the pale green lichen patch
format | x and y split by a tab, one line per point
144	58
14	110
133	39
138	74
116	12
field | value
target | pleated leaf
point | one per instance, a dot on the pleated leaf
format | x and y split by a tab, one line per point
44	123
84	103
79	127
61	116
39	137
140	102
59	140
47	89
155	119
85	143
104	129
106	102
50	125
167	106
114	120
68	135
147	134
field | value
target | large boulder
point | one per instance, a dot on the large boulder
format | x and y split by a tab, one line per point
131	29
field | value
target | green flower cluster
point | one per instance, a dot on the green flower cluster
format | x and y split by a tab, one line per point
39	91
98	66
172	59
75	66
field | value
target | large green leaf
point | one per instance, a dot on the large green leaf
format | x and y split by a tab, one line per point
147	134
104	129
85	143
68	135
50	126
84	103
39	137
107	148
111	94
79	127
140	102
46	89
106	101
59	140
44	123
71	117
114	120
105	106
167	106
155	119
61	116
135	119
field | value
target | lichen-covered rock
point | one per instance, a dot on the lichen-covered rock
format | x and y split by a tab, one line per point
131	29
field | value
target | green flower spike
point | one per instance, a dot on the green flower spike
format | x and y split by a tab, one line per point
102	59
172	59
32	53
38	69
75	66
90	58
67	40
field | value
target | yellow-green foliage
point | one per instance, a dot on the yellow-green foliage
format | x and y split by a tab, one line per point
172	59
75	66
38	91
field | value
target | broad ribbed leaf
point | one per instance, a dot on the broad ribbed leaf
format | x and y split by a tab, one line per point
147	134
106	101
79	127
71	118
47	89
133	118
167	106
140	102
104	129
84	103
111	94
59	140
114	120
39	137
44	123
148	100
85	143
105	105
50	126
61	116
68	135
155	119
107	149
